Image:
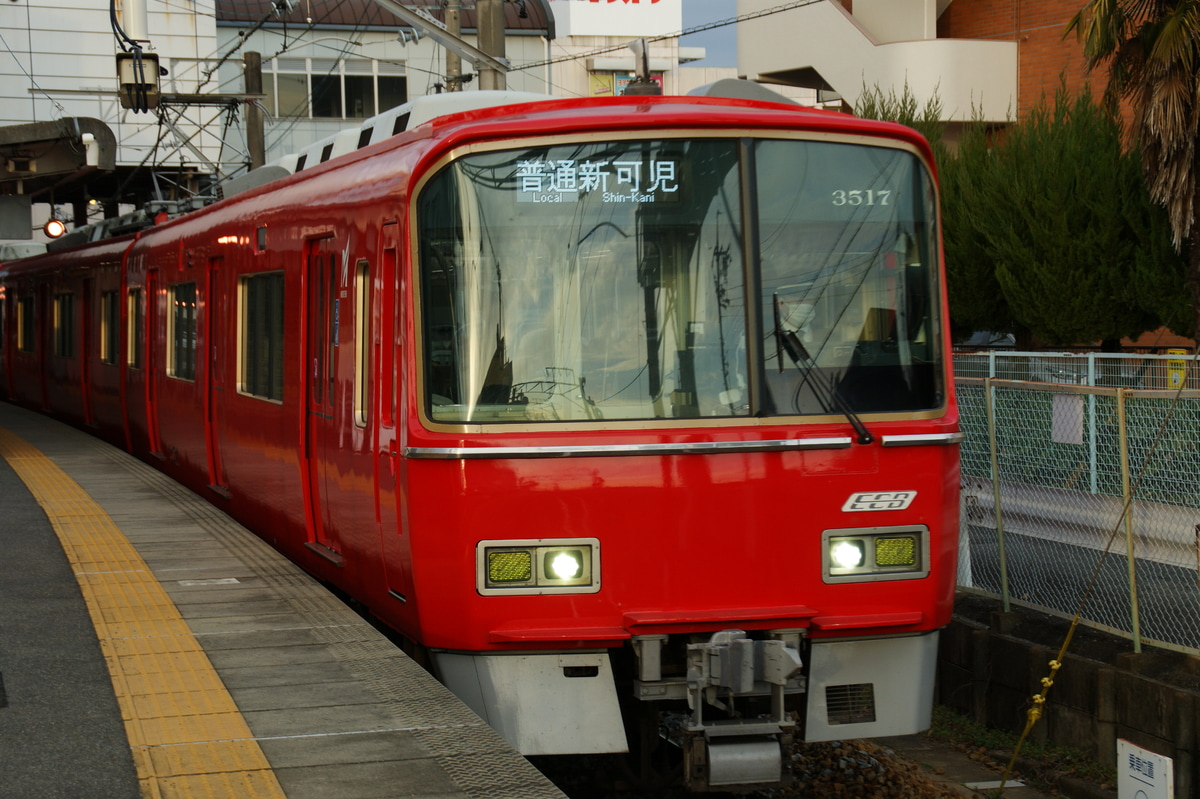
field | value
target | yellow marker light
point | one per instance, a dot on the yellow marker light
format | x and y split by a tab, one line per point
898	551
510	566
564	564
847	554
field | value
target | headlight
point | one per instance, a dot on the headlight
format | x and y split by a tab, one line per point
538	566
875	553
847	553
564	564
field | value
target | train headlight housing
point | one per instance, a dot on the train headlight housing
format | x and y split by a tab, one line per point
538	566
875	553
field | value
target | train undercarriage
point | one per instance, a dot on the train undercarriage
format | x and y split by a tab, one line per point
730	703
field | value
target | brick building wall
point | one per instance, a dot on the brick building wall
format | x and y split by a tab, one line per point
1046	52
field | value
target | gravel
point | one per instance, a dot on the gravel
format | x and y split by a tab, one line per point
842	769
857	769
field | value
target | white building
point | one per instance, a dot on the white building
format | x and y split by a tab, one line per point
841	46
68	143
58	85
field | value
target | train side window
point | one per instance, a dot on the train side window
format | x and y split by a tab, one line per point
25	324
260	310
136	324
362	343
333	310
181	331
64	325
109	327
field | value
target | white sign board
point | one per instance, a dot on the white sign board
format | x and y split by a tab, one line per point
1142	774
632	18
1066	422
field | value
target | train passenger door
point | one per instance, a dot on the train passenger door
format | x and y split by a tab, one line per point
386	334
214	337
320	422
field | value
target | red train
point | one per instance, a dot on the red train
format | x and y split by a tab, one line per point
621	410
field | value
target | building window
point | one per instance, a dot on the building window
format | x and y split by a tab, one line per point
261	312
64	325
110	320
326	88
25	324
181	332
135	319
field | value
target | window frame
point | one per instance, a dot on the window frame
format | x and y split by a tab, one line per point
110	328
755	309
63	325
26	324
335	72
181	354
269	388
135	327
363	339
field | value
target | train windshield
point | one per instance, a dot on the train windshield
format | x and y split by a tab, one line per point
679	279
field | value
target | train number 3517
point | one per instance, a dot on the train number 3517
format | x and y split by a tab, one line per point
862	196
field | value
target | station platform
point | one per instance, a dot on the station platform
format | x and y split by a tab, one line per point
151	647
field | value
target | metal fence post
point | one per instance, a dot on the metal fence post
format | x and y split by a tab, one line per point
1093	441
993	451
1127	517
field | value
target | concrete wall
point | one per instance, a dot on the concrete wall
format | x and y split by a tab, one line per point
897	20
971	77
991	664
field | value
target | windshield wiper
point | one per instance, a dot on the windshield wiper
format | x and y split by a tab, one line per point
827	394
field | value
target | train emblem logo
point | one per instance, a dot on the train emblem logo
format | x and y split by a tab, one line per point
878	500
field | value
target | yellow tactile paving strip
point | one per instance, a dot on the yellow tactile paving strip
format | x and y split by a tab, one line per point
189	740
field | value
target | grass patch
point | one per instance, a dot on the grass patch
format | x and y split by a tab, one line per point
1053	762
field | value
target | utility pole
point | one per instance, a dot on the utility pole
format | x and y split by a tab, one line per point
453	60
489	15
255	135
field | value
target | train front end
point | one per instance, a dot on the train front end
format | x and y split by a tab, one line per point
681	456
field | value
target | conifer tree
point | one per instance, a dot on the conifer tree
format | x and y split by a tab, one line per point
1049	231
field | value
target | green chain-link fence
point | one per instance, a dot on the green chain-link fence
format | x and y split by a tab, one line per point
1057	448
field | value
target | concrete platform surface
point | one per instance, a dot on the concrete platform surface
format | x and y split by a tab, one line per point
152	647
